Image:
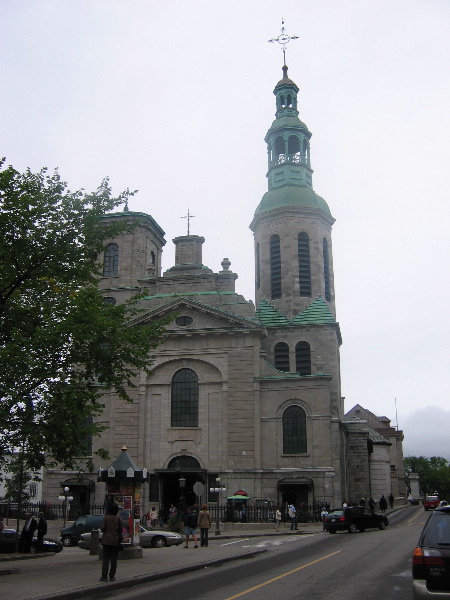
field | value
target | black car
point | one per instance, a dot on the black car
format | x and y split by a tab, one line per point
431	557
8	543
353	518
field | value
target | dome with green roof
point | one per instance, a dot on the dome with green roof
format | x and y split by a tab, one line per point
292	196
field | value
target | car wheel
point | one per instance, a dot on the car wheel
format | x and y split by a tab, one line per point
159	542
332	530
67	541
352	528
382	525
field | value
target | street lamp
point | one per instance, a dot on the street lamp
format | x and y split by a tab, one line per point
182	482
220	488
66	499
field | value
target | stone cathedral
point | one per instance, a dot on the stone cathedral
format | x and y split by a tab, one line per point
250	393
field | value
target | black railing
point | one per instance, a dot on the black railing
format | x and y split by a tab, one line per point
227	513
10	510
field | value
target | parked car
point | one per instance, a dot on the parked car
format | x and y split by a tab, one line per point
70	535
431	558
431	502
148	538
353	518
8	543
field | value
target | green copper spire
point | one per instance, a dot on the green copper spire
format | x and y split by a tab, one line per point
288	152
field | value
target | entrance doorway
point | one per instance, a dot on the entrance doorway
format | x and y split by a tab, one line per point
188	469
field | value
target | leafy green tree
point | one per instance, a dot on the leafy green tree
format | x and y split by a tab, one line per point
61	346
16	482
434	474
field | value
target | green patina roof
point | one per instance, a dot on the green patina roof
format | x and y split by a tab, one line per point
317	313
269	315
181	294
292	196
287	121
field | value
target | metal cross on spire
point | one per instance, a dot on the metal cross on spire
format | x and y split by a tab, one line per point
188	217
284	39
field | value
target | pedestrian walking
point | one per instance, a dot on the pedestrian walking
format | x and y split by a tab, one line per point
383	504
323	514
277	518
153	517
190	524
391	500
41	531
27	533
293	516
204	522
111	542
371	504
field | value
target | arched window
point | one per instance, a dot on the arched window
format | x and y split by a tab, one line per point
294	430
279	151
304	265
184	405
294	149
111	261
275	267
303	358
152	258
109	300
326	270
258	268
281	356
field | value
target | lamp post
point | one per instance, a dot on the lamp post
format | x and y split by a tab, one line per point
182	482
66	499
220	488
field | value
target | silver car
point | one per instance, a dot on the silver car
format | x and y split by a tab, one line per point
148	538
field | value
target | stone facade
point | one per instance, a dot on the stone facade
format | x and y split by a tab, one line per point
262	383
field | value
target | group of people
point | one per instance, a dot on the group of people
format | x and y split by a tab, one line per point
383	503
29	528
194	520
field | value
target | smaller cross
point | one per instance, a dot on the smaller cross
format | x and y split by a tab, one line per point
188	217
283	39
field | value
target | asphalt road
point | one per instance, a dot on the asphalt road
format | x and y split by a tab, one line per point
372	565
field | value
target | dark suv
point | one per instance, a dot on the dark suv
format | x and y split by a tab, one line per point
353	518
431	558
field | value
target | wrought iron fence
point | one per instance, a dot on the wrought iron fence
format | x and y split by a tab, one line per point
10	510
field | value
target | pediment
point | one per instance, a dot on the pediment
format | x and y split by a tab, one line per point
205	318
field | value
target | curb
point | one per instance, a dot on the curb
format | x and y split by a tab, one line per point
140	579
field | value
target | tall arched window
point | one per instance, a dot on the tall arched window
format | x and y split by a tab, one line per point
304	265
111	261
275	267
184	405
258	267
326	270
281	356
303	358
294	431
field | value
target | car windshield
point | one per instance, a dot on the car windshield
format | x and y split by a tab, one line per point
432	498
336	513
438	531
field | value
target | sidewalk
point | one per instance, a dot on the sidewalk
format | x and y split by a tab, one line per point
74	573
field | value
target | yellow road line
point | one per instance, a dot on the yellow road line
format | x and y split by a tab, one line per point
419	512
256	587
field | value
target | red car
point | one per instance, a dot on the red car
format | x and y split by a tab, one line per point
431	502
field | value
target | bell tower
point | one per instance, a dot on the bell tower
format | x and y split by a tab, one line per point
292	224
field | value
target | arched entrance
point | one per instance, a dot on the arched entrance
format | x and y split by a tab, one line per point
299	492
171	492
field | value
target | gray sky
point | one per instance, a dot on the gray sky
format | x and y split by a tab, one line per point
174	99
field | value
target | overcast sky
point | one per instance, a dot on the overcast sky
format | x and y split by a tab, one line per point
174	98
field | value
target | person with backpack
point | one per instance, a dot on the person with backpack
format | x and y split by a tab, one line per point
190	524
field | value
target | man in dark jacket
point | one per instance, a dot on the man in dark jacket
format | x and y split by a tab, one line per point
41	531
190	524
27	533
